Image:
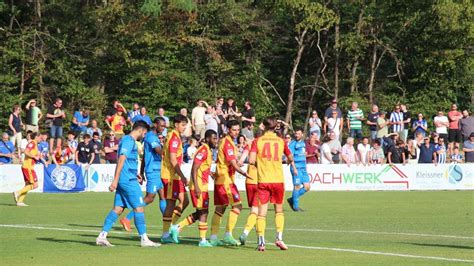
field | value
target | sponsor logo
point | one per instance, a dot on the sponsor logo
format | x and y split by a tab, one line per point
64	178
455	174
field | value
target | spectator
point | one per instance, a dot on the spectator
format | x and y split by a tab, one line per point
396	120
363	150
7	150
406	122
222	125
94	128
427	152
211	119
420	126
354	121
134	112
468	149
441	123
116	123
396	153
411	152
334	124
287	138
418	139
188	132
454	133
248	131
456	157
315	125
372	122
97	145
44	149
33	115
326	155
142	116
113	109
349	155
85	152
313	144
15	125
335	147
80	121
376	153
219	102
242	149
467	125
441	150
382	127
332	108
248	115
56	116
230	109
197	118
71	145
161	113
110	148
193	145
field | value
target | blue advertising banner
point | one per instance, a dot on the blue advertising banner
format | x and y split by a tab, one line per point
63	178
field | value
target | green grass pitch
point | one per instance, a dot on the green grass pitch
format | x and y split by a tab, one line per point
337	228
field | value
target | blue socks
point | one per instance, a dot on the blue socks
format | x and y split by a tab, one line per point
162	206
130	215
109	221
296	197
140	222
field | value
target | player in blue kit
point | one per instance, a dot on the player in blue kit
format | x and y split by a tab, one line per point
152	167
128	193
298	170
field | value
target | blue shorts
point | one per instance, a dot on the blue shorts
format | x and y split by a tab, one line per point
129	195
153	182
302	176
56	132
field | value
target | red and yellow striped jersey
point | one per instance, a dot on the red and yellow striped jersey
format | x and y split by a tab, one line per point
270	149
173	145
31	148
204	158
226	153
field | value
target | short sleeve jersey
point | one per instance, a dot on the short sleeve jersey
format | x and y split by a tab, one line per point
270	149
152	159
128	148
31	148
226	153
298	149
173	145
204	158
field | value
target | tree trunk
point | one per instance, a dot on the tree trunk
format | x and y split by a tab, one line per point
296	62
354	77
336	61
372	74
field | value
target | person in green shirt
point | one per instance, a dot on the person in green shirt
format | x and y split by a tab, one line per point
354	121
33	115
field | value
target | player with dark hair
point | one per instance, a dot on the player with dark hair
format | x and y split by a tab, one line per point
126	184
198	188
298	170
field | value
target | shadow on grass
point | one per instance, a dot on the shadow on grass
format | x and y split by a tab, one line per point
60	241
440	245
7	204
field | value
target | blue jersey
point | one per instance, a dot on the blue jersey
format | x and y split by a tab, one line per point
43	148
128	148
152	159
6	147
298	149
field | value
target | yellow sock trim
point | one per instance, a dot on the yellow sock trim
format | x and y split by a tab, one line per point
176	216
166	224
279	222
216	222
188	221
261	225
202	230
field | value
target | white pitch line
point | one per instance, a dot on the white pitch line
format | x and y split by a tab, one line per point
290	245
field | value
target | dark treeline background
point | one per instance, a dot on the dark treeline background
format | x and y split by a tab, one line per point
287	57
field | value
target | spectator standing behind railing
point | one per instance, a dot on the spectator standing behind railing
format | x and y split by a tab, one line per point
188	131
396	154
7	150
376	153
15	126
456	157
335	147
111	147
315	124
142	116
372	122
348	153
382	127
80	121
211	119
441	152
454	133
134	112
406	122
33	116
363	151
248	115
427	152
420	126
468	149
329	111
411	154
55	118
326	155
441	123
396	120
85	152
161	113
98	148
197	118
466	124
334	124
117	122
94	128
313	144
354	121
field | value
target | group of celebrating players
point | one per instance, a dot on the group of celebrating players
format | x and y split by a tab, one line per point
162	169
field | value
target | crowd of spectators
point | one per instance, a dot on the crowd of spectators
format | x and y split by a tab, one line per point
374	138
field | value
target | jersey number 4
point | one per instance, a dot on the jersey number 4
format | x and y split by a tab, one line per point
267	154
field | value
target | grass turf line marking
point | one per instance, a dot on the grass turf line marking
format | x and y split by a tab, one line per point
290	245
321	230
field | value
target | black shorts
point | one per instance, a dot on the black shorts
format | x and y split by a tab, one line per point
454	135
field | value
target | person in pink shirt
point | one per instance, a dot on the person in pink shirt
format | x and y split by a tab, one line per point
454	133
349	154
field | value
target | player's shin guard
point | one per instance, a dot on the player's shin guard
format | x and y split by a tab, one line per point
232	220
216	222
109	221
162	206
202	230
22	193
140	223
176	215
251	221
279	224
166	225
261	225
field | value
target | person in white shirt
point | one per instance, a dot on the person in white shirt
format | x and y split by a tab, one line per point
441	123
364	151
197	118
211	119
349	155
192	149
326	156
335	124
